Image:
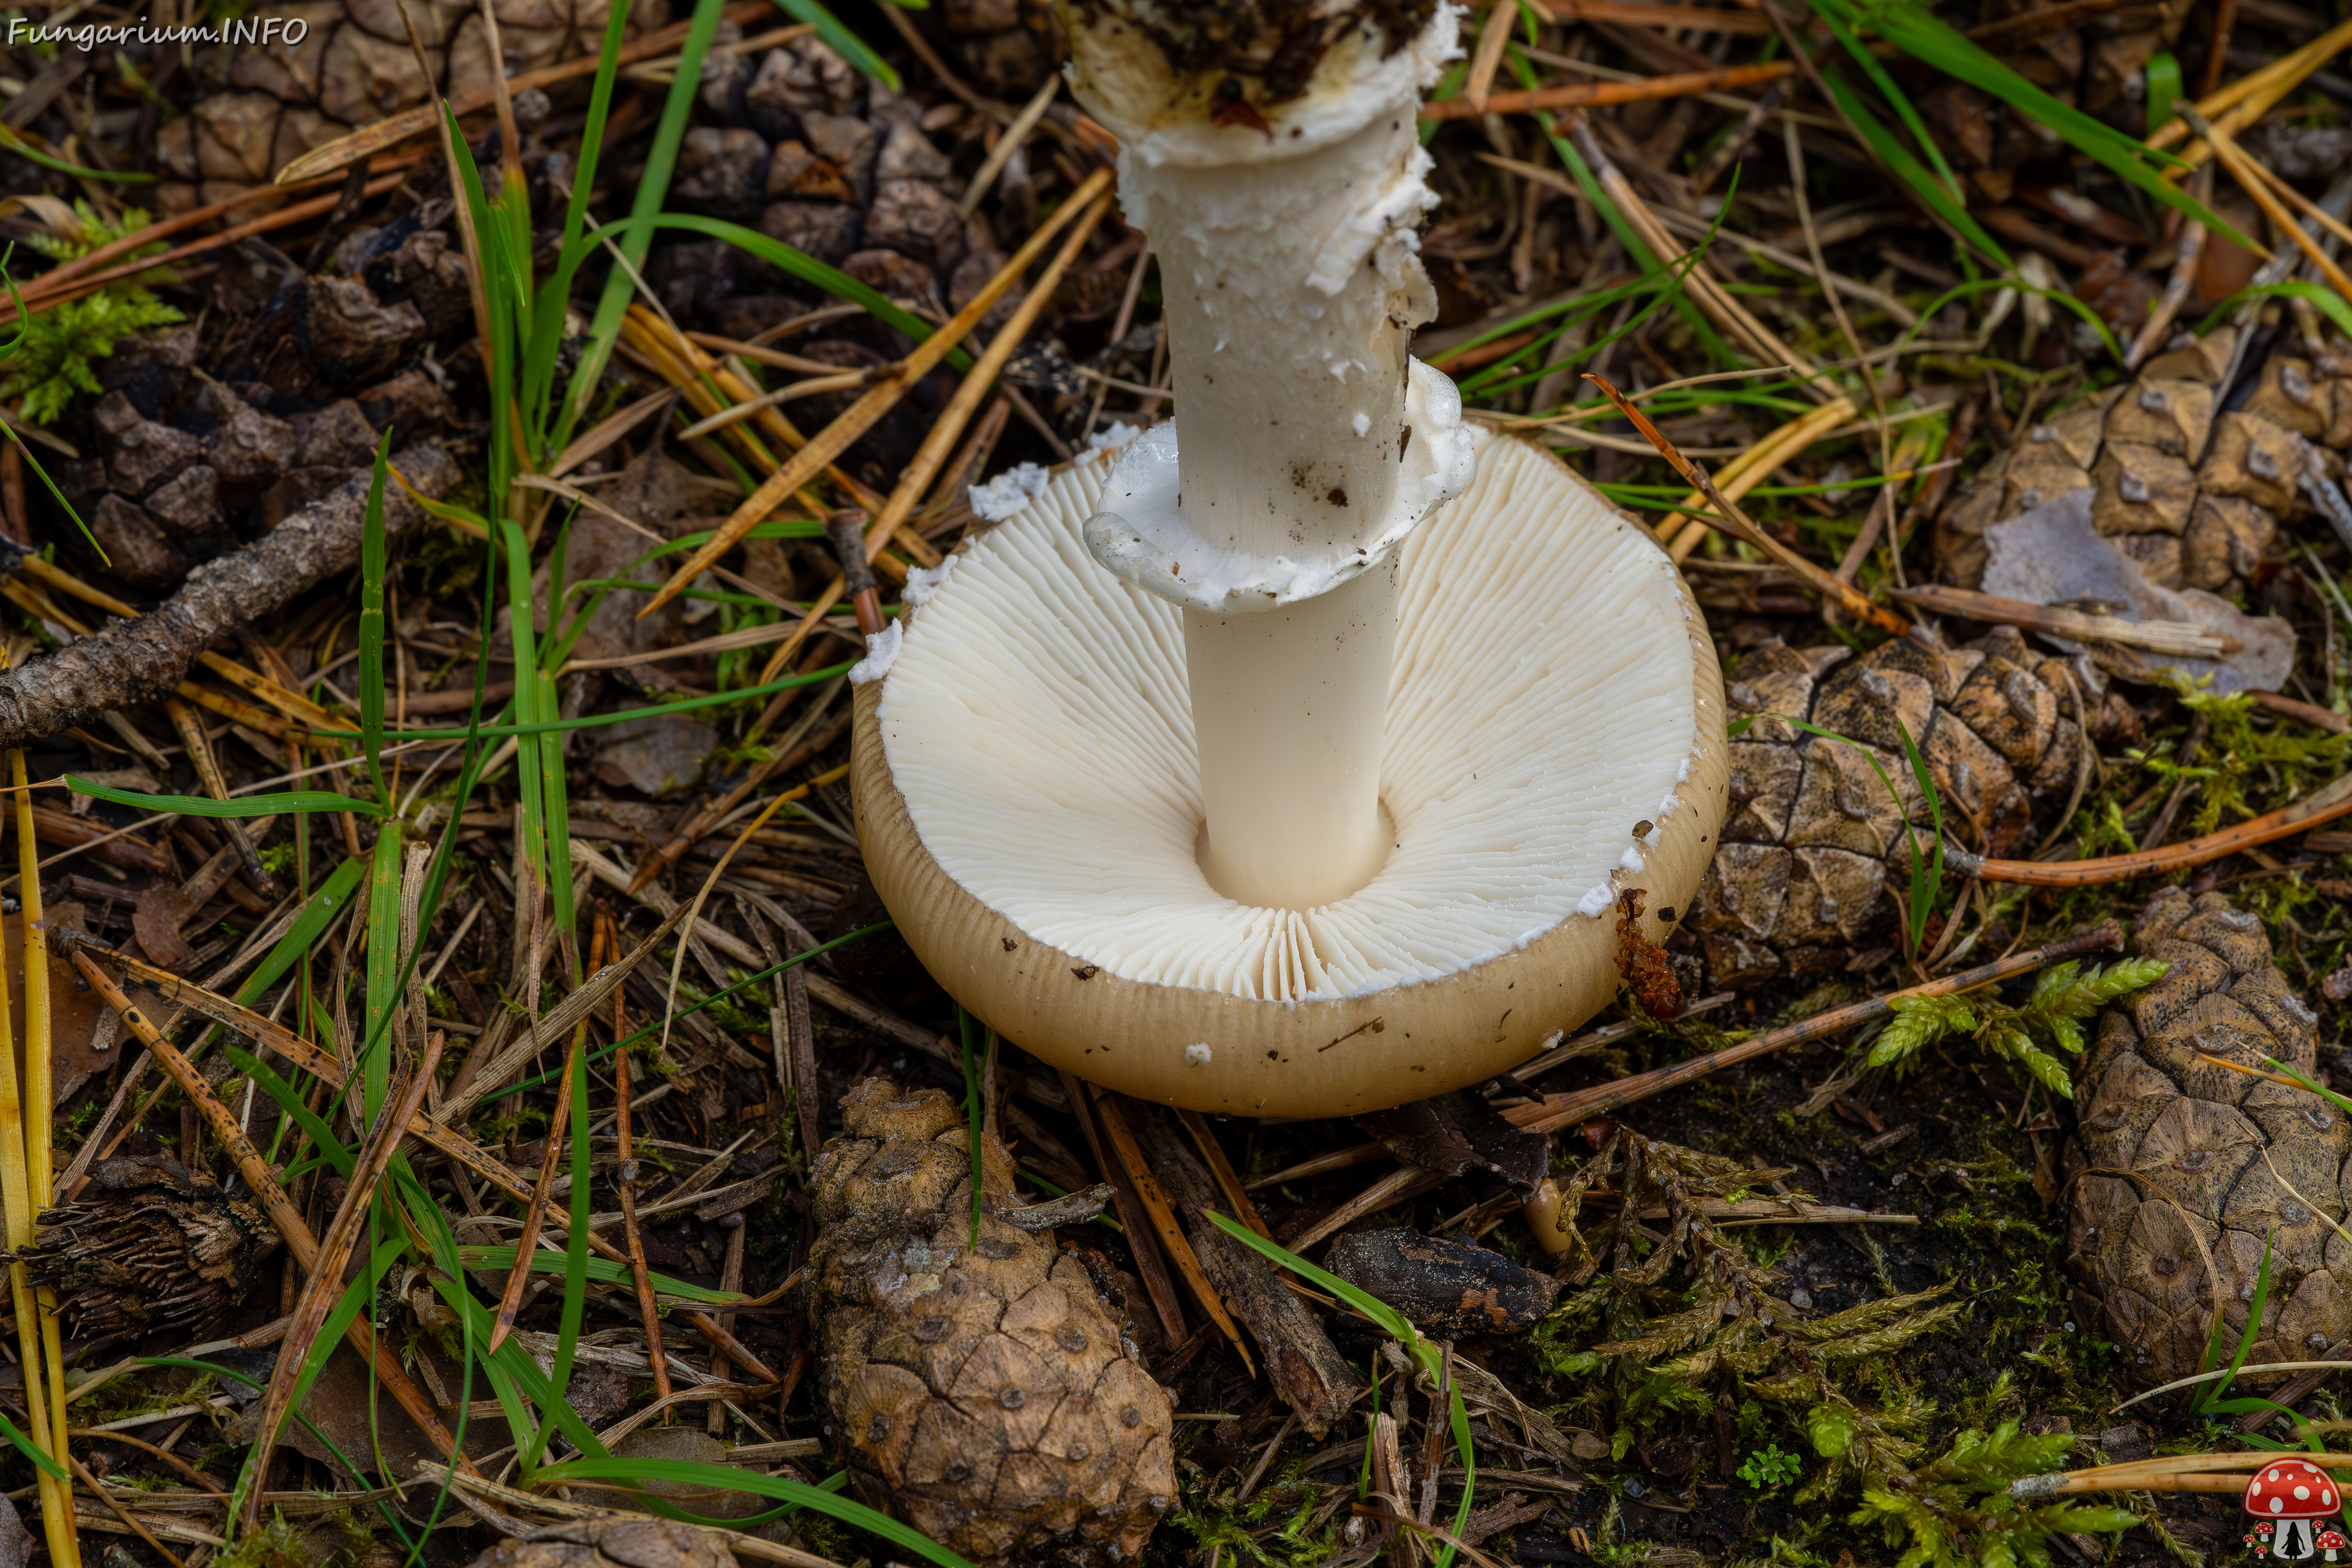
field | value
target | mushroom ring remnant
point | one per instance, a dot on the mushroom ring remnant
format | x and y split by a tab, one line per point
1028	801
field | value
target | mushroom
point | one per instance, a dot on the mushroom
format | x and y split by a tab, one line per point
2292	1494
2332	1542
1293	768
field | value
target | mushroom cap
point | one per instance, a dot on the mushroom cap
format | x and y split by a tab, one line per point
1028	804
2292	1489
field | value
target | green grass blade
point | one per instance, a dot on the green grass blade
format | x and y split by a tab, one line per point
601	1271
653	190
1899	100
1397	1327
230	1375
1927	37
382	969
551	307
797	263
371	635
1926	881
290	1100
279	804
25	1446
2255	1309
653	1031
1923	185
843	42
2163	80
598	720
2326	301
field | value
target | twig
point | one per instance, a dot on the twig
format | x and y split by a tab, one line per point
1732	520
2329	803
2187	638
1567	1110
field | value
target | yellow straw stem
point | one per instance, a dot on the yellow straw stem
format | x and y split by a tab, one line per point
38	1097
24	1186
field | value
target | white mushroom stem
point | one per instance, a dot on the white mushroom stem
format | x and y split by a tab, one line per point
1288	709
1282	222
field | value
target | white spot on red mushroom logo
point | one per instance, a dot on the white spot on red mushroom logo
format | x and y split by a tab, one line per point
2297	1495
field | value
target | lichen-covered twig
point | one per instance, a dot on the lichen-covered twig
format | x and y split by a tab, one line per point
136	661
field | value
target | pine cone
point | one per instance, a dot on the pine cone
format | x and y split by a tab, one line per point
153	1250
2183	1168
352	66
1801	877
984	1395
2194	496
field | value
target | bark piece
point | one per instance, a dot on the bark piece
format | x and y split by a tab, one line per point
1307	1369
1443	1285
915	219
129	662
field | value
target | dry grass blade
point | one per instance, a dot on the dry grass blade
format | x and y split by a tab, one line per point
325	1284
1560	1110
624	1180
1681	532
274	1037
2264	187
948	426
534	1217
200	754
267	1191
24	1183
861	415
1163	1221
1709	295
82	1472
2252	96
566	1015
1578	95
1732	520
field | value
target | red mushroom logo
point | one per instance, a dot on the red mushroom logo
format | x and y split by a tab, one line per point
2331	1542
2294	1495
